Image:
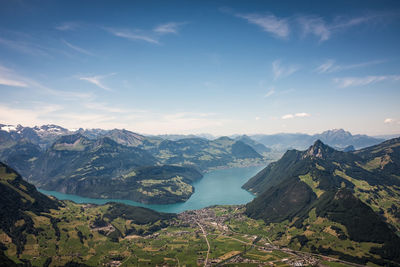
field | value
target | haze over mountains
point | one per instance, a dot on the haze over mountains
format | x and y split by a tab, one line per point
114	163
118	163
46	134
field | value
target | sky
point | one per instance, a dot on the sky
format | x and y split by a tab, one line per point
219	67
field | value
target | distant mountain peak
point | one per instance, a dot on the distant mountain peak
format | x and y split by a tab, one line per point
318	150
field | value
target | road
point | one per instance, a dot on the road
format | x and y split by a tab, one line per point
208	244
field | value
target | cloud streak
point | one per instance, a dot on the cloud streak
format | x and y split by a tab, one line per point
133	36
7	78
24	47
67	26
329	66
77	48
97	80
363	81
270	92
168	28
296	115
151	37
279	27
280	71
307	24
315	26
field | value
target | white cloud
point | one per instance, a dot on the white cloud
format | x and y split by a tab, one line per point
24	47
280	71
67	26
329	66
8	78
269	23
296	115
302	115
316	26
167	28
77	48
134	36
388	120
96	80
270	92
287	116
362	81
8	82
343	23
11	78
257	118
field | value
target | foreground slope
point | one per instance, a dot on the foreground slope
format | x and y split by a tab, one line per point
38	230
322	194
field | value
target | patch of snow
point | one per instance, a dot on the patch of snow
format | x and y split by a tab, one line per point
8	128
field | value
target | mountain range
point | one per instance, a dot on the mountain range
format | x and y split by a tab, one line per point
117	163
337	138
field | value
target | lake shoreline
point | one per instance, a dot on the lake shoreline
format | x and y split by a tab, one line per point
217	187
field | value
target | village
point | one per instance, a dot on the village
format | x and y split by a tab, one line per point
208	223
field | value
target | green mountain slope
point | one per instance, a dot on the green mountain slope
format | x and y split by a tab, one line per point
340	193
258	147
203	153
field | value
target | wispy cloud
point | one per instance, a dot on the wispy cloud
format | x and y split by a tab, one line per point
296	115
280	71
389	120
309	24
279	27
77	48
133	35
27	116
106	108
8	82
270	92
24	47
343	23
362	81
168	28
317	26
97	80
151	36
329	66
67	26
8	78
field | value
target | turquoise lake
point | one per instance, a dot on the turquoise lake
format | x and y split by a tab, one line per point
219	187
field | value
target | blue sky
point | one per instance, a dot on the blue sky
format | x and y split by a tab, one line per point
220	67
